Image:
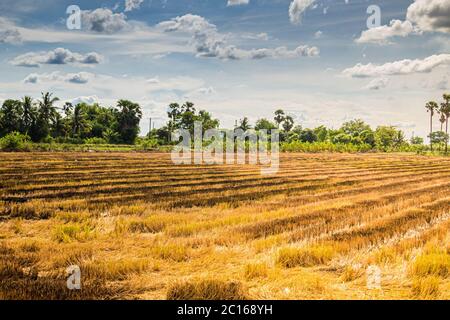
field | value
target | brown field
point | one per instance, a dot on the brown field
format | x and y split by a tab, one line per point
142	228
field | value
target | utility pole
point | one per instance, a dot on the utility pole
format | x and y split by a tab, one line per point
150	126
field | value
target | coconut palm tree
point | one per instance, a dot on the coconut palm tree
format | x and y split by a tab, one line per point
78	120
46	106
28	113
431	107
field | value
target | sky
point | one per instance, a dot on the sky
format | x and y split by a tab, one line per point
323	61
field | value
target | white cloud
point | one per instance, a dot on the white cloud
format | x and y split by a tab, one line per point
208	42
382	34
296	9
76	78
318	34
237	2
402	67
422	15
131	5
8	32
84	99
430	15
103	20
258	36
57	56
377	84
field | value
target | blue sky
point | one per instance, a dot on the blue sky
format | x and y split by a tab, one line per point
314	58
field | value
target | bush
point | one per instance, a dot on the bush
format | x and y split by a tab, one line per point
95	140
15	141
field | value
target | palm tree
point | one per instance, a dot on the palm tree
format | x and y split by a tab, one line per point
78	120
442	120
27	115
431	107
47	109
245	124
279	117
445	110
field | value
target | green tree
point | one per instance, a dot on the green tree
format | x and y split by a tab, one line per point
416	141
244	124
264	124
445	110
388	137
431	107
279	117
308	135
28	115
45	116
11	116
79	122
129	115
321	133
288	123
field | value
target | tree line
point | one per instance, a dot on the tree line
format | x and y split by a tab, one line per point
355	132
42	121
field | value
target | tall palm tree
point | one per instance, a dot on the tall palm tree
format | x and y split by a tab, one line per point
27	115
442	120
279	117
445	109
431	107
46	106
78	120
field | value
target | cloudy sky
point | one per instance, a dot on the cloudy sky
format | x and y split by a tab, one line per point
316	59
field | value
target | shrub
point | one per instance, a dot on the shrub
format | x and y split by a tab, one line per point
206	289
15	141
95	140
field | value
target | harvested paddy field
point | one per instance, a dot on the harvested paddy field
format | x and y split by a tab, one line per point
326	226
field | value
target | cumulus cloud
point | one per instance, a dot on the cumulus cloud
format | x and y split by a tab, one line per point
318	34
296	9
208	42
382	34
237	2
57	56
422	15
8	32
77	78
84	99
103	20
402	67
377	84
430	15
131	5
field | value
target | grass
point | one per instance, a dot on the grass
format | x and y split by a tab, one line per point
206	289
426	288
432	264
140	227
304	257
